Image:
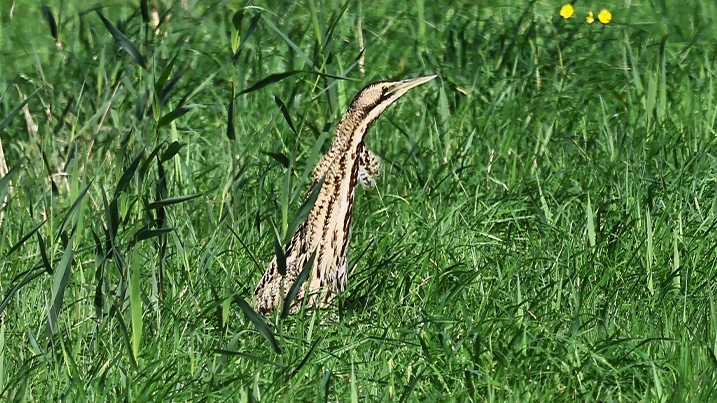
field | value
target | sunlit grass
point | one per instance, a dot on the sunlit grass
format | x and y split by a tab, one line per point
543	229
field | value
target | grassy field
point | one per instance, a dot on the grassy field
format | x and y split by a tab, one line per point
544	229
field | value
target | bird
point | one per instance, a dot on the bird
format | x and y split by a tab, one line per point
325	232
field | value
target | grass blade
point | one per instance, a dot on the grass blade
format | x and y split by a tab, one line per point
144	234
135	302
5	180
172	150
22	240
123	183
250	30
304	210
170	201
231	130
15	111
271	79
258	322
286	39
159	91
282	159
126	44
249	357
176	114
59	284
306	358
43	254
591	225
279	253
285	112
144	8
73	209
289	300
47	13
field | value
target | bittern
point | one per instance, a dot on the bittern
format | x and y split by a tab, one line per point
327	228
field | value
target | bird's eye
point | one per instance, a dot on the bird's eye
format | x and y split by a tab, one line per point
385	89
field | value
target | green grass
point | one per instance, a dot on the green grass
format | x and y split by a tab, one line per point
544	229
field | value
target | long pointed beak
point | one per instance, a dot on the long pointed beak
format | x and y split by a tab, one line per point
403	86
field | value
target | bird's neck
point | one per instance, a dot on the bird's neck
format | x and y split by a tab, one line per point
340	162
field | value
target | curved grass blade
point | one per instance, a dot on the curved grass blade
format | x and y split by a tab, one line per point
135	303
144	7
176	114
43	254
172	150
144	234
271	79
250	30
5	180
73	209
59	283
29	276
288	41
285	112
123	183
126	44
306	358
304	210
171	200
159	86
249	357
278	157
258	322
231	131
22	240
15	111
288	301
237	19
279	252
47	13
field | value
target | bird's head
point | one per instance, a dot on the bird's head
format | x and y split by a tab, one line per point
371	101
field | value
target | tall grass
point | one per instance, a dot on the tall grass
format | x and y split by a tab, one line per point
543	230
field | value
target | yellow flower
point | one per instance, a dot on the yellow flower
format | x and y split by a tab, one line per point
605	16
567	11
590	19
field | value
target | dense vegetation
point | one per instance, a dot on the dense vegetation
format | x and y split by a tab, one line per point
543	230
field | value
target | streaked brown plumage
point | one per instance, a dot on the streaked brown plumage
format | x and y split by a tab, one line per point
327	228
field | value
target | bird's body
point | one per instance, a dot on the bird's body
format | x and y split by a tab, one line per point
327	228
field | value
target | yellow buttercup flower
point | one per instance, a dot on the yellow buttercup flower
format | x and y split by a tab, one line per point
567	11
605	16
590	19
